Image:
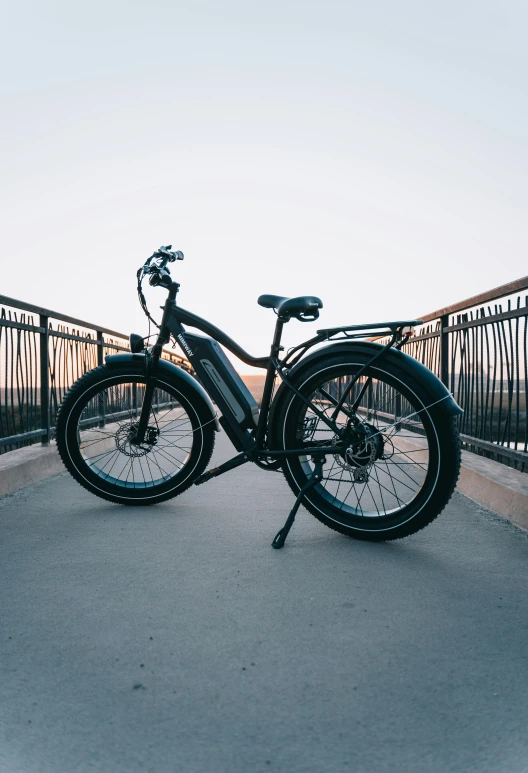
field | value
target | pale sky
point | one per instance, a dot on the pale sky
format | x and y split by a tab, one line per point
374	154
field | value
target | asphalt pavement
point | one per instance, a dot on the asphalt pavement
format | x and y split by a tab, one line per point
174	639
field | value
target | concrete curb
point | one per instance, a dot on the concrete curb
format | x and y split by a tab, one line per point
490	484
496	487
28	465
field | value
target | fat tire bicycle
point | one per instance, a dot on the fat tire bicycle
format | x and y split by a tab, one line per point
365	435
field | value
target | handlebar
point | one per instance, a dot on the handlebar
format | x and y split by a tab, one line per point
167	256
156	265
159	275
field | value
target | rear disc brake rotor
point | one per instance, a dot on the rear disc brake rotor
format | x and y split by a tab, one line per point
365	446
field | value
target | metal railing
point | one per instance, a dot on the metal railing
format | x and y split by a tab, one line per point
478	348
42	353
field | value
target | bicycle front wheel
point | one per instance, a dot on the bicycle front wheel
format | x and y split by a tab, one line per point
401	464
96	424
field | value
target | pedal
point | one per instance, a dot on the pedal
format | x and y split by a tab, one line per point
236	461
205	476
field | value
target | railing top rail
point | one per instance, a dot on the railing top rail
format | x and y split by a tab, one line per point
491	295
5	300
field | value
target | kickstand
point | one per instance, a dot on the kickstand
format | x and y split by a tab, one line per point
315	477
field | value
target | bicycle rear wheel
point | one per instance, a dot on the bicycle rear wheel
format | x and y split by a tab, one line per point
402	461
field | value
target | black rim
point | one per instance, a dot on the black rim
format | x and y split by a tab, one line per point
101	430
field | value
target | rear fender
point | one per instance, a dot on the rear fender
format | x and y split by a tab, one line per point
173	373
430	388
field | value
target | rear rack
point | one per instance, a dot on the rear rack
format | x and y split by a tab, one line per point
373	330
380	328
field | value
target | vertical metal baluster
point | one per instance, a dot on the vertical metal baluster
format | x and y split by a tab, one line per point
100	361
500	332
3	384
444	350
473	384
453	349
45	421
511	379
525	449
484	423
480	341
9	364
134	400
494	379
516	358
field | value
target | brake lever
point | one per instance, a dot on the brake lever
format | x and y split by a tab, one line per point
162	256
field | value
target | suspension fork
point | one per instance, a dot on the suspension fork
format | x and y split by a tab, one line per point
151	364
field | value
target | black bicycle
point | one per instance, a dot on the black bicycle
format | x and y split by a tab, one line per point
365	435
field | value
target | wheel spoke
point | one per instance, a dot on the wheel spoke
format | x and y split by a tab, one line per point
108	449
380	476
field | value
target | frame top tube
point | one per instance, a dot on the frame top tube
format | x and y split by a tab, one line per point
188	318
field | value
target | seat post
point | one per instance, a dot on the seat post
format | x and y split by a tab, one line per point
275	346
268	384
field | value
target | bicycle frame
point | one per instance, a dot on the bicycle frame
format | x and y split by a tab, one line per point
252	444
339	410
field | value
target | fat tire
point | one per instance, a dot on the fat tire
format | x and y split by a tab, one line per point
71	457
449	454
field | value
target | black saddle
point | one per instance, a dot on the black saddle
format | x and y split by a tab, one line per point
304	308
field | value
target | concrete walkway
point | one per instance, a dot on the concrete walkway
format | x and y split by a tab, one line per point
174	639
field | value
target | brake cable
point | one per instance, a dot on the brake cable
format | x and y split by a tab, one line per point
141	274
165	256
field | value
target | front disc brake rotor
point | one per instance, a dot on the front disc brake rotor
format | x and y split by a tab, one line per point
125	435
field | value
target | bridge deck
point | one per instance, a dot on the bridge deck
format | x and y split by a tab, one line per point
174	638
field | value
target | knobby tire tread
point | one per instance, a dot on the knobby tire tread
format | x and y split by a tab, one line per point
415	524
450	460
84	383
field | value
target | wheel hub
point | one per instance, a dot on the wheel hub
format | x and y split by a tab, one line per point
126	434
362	446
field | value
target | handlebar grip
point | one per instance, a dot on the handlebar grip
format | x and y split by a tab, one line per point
168	255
